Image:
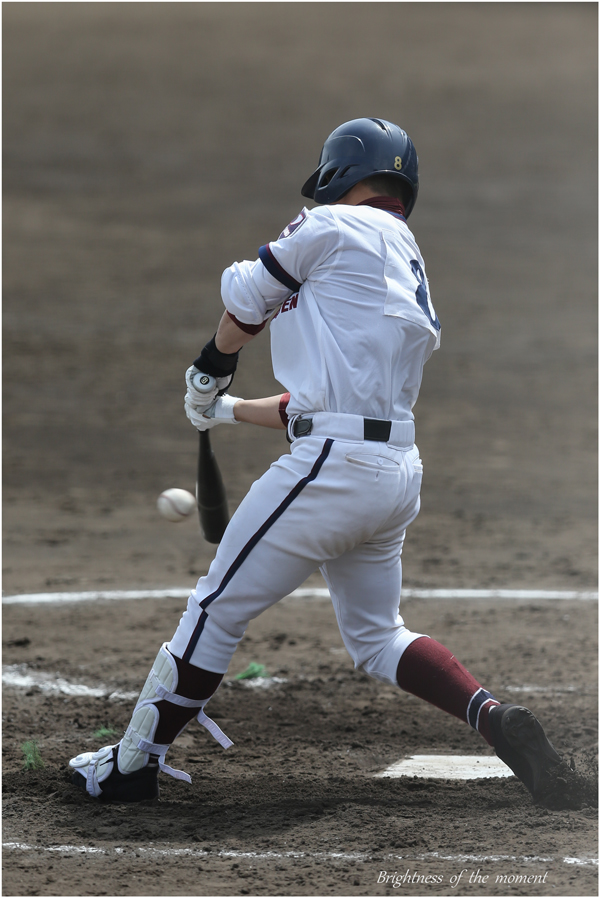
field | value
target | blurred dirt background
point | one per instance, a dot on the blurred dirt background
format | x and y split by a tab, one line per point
146	147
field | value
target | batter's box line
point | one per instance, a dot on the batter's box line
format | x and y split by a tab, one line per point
20	676
282	855
523	595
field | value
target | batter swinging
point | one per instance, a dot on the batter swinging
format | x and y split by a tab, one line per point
352	325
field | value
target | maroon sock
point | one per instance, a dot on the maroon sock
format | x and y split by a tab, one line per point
430	671
193	682
483	724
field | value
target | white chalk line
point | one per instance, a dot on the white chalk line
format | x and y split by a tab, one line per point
527	595
20	676
282	855
554	690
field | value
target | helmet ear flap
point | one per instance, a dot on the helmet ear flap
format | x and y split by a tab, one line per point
308	189
319	181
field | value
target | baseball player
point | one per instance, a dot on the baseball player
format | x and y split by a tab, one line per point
352	324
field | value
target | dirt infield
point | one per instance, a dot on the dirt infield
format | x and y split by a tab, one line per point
294	808
147	146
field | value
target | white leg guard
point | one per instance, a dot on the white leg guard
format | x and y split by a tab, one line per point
137	744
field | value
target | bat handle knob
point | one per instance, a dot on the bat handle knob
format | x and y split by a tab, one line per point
204	383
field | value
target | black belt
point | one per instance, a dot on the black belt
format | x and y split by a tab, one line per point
374	429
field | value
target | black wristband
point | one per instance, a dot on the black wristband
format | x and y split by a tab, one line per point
217	364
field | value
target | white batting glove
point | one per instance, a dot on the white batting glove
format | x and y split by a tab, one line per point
220	412
202	401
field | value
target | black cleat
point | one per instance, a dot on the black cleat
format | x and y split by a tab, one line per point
520	741
98	774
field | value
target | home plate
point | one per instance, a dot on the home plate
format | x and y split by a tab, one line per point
448	767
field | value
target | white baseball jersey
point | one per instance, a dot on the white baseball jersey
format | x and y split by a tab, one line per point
353	323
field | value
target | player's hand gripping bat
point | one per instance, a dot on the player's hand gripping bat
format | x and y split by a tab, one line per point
211	498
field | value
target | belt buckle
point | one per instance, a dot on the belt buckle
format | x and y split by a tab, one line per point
302	426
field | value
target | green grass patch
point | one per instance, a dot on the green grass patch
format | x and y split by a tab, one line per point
104	732
253	670
32	759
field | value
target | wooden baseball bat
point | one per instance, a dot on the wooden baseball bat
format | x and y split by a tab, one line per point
211	497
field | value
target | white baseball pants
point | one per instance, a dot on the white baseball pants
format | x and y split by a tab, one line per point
338	505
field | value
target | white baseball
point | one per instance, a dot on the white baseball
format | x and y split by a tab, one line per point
176	505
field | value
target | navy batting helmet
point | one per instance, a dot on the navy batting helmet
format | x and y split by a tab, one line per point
359	149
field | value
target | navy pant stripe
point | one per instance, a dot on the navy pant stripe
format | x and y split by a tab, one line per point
251	544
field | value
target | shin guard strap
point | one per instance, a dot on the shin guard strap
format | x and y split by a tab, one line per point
163	693
214	729
154	749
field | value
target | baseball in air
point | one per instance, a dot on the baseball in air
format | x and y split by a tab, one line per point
176	505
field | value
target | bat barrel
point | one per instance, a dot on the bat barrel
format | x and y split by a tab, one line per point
211	497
